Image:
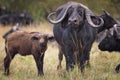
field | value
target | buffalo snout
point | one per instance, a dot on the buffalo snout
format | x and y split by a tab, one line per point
42	44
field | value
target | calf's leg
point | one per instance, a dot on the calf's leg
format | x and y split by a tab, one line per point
39	63
7	61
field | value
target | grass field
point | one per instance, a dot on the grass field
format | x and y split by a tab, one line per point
24	68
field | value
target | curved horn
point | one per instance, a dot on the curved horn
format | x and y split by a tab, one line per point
59	16
88	13
91	22
115	28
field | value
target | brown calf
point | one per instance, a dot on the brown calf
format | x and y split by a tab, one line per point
26	43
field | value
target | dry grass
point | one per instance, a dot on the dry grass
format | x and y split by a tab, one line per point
24	68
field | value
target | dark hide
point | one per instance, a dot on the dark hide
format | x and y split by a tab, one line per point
109	21
24	43
23	18
74	36
111	43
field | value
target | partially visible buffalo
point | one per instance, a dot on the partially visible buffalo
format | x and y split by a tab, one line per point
24	43
23	18
4	11
111	42
109	21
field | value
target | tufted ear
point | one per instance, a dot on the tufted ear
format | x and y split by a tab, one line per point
105	12
35	37
50	38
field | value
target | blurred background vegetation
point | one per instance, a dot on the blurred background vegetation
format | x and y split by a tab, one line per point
39	9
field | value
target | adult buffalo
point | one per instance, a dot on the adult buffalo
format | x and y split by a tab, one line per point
112	42
75	31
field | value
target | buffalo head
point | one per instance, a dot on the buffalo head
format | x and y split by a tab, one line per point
109	21
74	14
112	40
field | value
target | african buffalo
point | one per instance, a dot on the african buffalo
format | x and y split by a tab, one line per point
23	18
24	43
75	29
4	11
112	42
75	32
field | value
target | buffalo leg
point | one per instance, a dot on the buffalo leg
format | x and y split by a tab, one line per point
117	69
7	61
69	58
87	59
87	53
60	57
39	63
83	59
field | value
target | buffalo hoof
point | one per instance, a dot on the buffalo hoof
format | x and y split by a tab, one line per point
117	69
59	67
41	74
88	65
6	74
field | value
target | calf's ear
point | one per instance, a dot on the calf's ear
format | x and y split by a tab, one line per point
50	38
35	38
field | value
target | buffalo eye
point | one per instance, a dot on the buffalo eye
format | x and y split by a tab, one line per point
70	10
80	11
35	38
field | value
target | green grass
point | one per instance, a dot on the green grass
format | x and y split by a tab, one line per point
24	67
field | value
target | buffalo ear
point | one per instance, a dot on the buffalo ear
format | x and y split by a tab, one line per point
35	38
50	38
105	12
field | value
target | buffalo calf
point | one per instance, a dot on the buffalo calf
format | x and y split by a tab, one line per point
24	43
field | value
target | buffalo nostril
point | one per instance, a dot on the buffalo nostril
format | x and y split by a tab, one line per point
72	20
75	21
42	44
